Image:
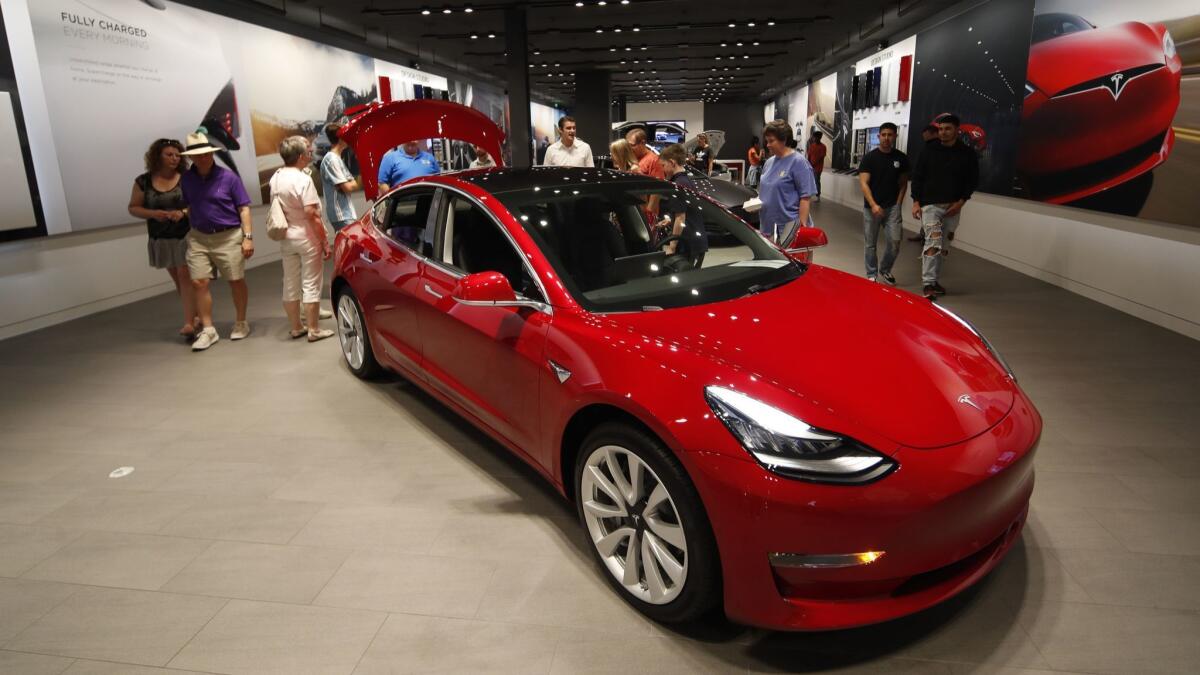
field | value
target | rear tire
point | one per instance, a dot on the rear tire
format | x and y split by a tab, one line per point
353	337
646	526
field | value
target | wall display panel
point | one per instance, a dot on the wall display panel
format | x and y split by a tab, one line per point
296	87
116	75
1111	117
16	201
545	129
896	62
768	113
822	112
973	65
843	119
797	114
490	102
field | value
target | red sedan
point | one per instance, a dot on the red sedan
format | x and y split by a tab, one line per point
721	420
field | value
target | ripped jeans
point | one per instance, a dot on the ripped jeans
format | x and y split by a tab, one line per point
937	227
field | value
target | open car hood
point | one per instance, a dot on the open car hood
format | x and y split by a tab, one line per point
383	126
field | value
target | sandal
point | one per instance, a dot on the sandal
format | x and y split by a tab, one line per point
297	334
188	332
315	335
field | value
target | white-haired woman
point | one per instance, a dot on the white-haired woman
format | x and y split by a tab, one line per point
306	245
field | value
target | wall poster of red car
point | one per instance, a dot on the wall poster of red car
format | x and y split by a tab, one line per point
1111	114
973	65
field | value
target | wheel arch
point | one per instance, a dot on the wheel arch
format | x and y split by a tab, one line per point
582	422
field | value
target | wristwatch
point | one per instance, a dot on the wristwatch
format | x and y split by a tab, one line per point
248	236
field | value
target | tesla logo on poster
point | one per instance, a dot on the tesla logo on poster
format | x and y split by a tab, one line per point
1117	83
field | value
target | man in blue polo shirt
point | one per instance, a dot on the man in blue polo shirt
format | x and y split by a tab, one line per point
407	161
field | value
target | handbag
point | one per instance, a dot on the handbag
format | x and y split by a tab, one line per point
277	224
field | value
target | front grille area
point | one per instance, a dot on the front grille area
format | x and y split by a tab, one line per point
1065	182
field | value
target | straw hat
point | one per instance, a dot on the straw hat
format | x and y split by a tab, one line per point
197	144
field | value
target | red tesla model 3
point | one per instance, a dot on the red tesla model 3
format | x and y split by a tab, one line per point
1099	103
721	421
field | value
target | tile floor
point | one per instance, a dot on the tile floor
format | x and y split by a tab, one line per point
284	517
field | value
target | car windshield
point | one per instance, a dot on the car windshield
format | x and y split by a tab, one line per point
595	234
1048	26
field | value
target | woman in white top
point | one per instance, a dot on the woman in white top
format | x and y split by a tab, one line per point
306	246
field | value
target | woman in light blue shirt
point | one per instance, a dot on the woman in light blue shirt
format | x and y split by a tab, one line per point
786	185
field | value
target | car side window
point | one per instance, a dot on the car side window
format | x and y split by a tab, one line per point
404	218
473	242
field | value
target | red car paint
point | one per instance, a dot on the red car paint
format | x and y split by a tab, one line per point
1078	143
944	518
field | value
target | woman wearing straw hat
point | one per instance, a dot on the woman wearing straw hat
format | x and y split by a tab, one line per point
221	235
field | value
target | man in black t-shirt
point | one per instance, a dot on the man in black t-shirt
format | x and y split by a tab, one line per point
883	175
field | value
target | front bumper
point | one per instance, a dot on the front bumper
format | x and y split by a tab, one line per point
944	519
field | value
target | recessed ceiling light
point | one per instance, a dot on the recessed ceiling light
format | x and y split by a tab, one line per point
425	11
447	11
468	9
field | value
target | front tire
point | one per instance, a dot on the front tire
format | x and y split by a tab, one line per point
646	524
353	337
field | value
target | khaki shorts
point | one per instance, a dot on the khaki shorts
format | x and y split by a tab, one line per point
222	250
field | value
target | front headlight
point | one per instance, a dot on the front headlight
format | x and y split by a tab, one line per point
1168	45
975	331
790	447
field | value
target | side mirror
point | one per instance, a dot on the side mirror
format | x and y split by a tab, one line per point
485	288
806	239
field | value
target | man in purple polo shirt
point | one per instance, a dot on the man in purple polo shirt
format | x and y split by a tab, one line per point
221	236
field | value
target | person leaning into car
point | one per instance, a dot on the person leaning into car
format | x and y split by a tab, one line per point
648	165
681	211
407	161
883	176
945	175
786	187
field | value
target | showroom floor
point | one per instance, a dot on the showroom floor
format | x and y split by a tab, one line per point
283	516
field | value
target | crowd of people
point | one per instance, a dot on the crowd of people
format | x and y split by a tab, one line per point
198	220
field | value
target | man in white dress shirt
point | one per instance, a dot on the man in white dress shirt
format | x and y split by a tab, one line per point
569	150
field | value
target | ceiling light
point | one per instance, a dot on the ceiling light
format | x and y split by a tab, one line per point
636	29
599	30
491	36
447	11
424	11
468	9
771	22
475	36
579	4
750	24
732	24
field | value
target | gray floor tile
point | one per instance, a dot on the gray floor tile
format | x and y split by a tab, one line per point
1165	532
269	521
119	511
410	528
22	602
1165	492
425	644
258	637
23	546
84	667
94	472
25	504
125	626
1109	639
119	559
238	479
259	572
1118	577
18	663
412	584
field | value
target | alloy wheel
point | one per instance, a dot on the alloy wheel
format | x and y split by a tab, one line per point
634	524
350	331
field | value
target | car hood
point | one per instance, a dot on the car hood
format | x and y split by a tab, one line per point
843	353
1062	62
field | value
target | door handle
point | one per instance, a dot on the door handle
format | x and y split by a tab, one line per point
367	258
429	290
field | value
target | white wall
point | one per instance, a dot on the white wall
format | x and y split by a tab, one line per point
54	279
1146	269
691	112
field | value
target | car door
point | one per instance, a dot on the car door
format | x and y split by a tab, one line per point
489	359
402	223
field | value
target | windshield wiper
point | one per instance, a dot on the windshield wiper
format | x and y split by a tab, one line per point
759	288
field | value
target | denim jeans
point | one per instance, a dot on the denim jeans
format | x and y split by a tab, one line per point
893	232
338	225
937	227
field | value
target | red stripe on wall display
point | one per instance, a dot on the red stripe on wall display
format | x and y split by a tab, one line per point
905	77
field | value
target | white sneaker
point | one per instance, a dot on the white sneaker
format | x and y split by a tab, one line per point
205	339
240	330
325	314
872	279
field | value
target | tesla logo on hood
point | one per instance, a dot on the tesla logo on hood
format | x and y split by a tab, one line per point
965	399
1116	84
